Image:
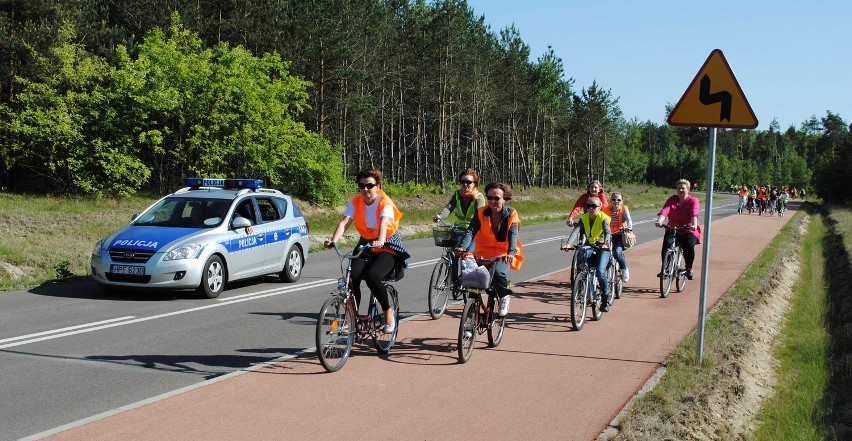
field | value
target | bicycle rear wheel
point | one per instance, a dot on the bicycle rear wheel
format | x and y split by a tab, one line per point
666	274
467	330
497	325
595	299
439	289
381	341
335	332
681	273
610	277
619	283
579	301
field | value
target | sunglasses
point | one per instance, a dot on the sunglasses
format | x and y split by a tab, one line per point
466	182
368	186
592	206
493	198
616	200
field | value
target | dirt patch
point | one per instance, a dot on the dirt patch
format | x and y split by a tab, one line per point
755	368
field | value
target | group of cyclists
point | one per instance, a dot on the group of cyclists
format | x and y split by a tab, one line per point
765	198
491	230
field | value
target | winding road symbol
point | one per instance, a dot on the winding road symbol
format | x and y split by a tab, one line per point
708	98
714	99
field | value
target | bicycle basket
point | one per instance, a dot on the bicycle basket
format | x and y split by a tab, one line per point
447	236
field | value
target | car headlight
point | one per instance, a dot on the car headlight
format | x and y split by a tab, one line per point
97	251
184	252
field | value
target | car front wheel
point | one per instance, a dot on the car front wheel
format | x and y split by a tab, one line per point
292	265
213	278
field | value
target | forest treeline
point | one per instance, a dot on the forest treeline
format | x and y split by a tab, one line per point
113	97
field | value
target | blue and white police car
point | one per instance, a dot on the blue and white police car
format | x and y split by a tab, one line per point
203	236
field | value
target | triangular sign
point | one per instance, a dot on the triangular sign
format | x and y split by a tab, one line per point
714	99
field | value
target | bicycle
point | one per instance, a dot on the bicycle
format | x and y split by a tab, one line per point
339	324
584	289
614	272
673	268
480	316
782	207
445	274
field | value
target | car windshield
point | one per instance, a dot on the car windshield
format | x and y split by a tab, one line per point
185	212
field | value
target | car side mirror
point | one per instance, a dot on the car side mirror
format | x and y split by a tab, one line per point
240	222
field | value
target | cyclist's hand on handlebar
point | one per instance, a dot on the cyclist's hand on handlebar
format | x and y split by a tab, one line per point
508	258
328	244
377	244
569	222
436	218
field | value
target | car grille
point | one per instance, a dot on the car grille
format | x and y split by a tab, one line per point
127	278
130	256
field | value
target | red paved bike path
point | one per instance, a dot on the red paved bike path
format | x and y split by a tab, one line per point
545	381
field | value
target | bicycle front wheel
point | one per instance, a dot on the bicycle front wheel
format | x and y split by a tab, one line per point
681	274
619	284
335	332
384	342
579	300
439	289
666	274
467	330
610	276
497	325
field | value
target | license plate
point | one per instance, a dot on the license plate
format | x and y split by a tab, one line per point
129	270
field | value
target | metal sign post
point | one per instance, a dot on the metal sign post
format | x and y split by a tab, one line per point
713	99
705	256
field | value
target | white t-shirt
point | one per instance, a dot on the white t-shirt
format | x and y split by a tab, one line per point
370	212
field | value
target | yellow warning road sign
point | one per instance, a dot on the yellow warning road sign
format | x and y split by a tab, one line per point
714	99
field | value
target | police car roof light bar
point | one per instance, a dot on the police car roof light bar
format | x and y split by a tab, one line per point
252	184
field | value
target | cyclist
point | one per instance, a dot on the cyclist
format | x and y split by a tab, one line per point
464	203
494	231
619	216
761	199
743	194
681	210
596	190
594	225
752	195
773	198
782	198
376	218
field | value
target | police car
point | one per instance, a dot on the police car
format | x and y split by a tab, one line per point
203	236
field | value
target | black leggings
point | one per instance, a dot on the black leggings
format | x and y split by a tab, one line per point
686	241
373	273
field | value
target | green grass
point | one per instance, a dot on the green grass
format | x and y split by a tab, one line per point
41	233
797	410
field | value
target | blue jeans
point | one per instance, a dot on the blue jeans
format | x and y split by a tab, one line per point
600	266
618	250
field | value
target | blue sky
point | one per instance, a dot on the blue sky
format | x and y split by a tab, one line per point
792	59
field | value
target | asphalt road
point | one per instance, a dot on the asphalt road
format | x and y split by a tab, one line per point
69	352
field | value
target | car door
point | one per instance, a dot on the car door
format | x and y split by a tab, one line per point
246	251
273	218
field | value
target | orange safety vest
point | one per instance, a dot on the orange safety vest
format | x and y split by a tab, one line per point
615	221
361	220
487	245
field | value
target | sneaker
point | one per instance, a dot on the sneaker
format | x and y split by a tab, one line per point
689	274
625	275
660	274
604	305
388	329
468	334
504	306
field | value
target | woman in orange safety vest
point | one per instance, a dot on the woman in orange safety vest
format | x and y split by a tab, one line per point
376	218
494	232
